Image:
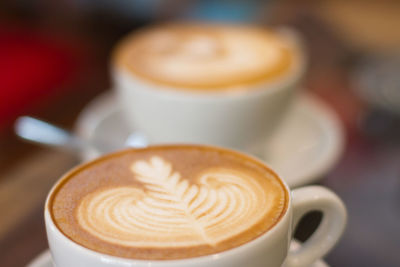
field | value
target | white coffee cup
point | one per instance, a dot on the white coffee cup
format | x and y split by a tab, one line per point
268	250
238	119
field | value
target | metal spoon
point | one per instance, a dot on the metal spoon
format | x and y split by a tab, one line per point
38	131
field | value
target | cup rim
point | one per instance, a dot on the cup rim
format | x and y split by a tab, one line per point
49	220
294	75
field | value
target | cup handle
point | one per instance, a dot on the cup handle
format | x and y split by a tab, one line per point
334	218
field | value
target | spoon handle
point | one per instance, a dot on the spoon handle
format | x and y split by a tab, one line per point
42	132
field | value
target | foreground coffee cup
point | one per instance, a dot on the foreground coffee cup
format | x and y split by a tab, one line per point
184	206
225	85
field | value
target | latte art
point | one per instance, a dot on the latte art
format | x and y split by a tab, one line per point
206	56
168	202
171	211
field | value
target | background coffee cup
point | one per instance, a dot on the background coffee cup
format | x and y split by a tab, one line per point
239	119
269	249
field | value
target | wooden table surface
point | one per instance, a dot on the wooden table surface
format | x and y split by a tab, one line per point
367	177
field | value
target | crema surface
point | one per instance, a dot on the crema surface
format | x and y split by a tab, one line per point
168	202
206	56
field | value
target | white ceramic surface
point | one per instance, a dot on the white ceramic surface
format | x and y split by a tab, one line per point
44	259
240	118
269	249
305	147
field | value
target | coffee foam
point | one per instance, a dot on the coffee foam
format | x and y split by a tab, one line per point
168	212
206	56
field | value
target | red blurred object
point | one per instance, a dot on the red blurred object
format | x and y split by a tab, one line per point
33	67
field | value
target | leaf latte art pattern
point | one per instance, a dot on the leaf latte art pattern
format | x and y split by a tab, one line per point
169	210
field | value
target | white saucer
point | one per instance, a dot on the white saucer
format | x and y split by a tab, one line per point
304	148
44	259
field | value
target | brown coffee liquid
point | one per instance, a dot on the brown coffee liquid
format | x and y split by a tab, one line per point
206	56
168	202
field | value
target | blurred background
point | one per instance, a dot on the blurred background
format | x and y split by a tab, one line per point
54	59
